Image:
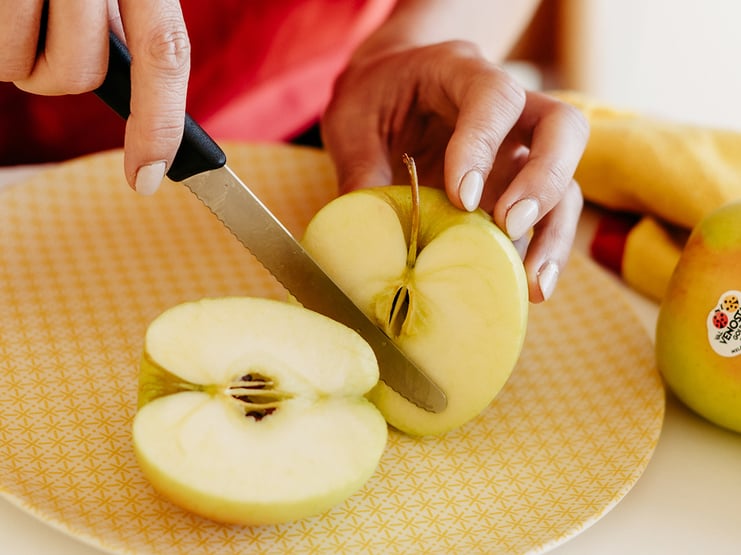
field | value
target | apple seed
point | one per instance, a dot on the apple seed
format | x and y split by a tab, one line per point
399	311
257	395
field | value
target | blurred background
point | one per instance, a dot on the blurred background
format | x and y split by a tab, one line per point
670	58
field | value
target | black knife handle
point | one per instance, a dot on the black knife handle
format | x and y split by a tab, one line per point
197	152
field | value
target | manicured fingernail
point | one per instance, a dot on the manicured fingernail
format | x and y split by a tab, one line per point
521	245
547	278
471	189
521	217
149	178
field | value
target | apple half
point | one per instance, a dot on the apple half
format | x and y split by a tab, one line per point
252	411
447	286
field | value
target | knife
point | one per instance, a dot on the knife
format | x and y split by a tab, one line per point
200	165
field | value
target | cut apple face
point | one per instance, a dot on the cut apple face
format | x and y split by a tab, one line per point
252	411
450	290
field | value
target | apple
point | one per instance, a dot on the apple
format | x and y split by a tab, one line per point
698	331
252	411
447	286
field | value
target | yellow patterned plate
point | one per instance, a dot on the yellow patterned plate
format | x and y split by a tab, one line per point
85	264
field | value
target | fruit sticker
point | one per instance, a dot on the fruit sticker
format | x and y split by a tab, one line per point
730	303
720	319
724	325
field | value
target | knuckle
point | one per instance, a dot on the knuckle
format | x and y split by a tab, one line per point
556	182
558	177
18	50
576	120
14	72
169	49
157	133
55	74
462	48
68	77
507	101
81	82
510	89
15	67
505	89
166	129
482	146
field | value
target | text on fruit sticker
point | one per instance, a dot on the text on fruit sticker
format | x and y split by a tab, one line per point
724	325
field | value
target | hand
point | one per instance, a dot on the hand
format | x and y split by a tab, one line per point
61	47
473	131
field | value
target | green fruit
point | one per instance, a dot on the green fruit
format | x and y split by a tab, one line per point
447	286
252	411
698	332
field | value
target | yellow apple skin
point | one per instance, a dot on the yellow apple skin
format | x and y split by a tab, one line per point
467	314
707	275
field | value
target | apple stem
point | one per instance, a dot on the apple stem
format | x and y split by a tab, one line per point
400	305
414	232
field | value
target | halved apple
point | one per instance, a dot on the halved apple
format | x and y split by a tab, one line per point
447	286
252	411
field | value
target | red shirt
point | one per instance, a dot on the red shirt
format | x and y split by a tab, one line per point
260	70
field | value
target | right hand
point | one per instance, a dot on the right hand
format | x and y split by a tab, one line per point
61	47
458	114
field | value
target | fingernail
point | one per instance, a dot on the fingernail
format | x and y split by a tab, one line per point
471	189
521	245
521	217
547	278
149	178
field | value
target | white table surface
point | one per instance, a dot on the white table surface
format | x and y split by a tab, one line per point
688	501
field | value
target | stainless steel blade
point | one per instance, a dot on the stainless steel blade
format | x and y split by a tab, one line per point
242	212
201	165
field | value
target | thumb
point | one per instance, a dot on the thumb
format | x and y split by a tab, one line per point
160	64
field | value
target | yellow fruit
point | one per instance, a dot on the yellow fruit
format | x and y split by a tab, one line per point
698	332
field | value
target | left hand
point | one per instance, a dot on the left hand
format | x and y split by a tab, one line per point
55	48
472	130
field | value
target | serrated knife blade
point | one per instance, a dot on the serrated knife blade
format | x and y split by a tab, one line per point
201	166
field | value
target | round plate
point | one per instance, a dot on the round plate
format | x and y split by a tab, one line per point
87	264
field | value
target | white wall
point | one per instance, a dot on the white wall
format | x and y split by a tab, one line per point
672	58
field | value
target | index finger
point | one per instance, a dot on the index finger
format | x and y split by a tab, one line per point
557	134
488	107
160	66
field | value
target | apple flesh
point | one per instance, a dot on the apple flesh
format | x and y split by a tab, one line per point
252	411
698	331
447	286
